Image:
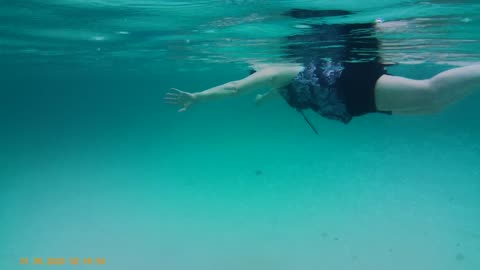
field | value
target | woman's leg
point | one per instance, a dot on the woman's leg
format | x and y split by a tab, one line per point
405	96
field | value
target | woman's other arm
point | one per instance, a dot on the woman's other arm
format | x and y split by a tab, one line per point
272	77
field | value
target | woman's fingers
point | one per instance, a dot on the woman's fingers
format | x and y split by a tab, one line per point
176	90
171	98
176	97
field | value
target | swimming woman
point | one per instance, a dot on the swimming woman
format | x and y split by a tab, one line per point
342	81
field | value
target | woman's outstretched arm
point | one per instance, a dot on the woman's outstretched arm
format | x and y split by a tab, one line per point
272	77
406	96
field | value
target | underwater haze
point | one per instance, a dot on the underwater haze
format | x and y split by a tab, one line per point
94	165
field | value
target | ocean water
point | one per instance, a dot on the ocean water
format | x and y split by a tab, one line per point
94	165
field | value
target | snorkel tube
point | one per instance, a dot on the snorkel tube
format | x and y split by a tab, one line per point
308	121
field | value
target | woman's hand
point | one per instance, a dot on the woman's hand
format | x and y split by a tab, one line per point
259	99
178	97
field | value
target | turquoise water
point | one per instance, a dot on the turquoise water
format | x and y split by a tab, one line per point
94	165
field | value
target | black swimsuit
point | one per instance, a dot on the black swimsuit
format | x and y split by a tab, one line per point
341	86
